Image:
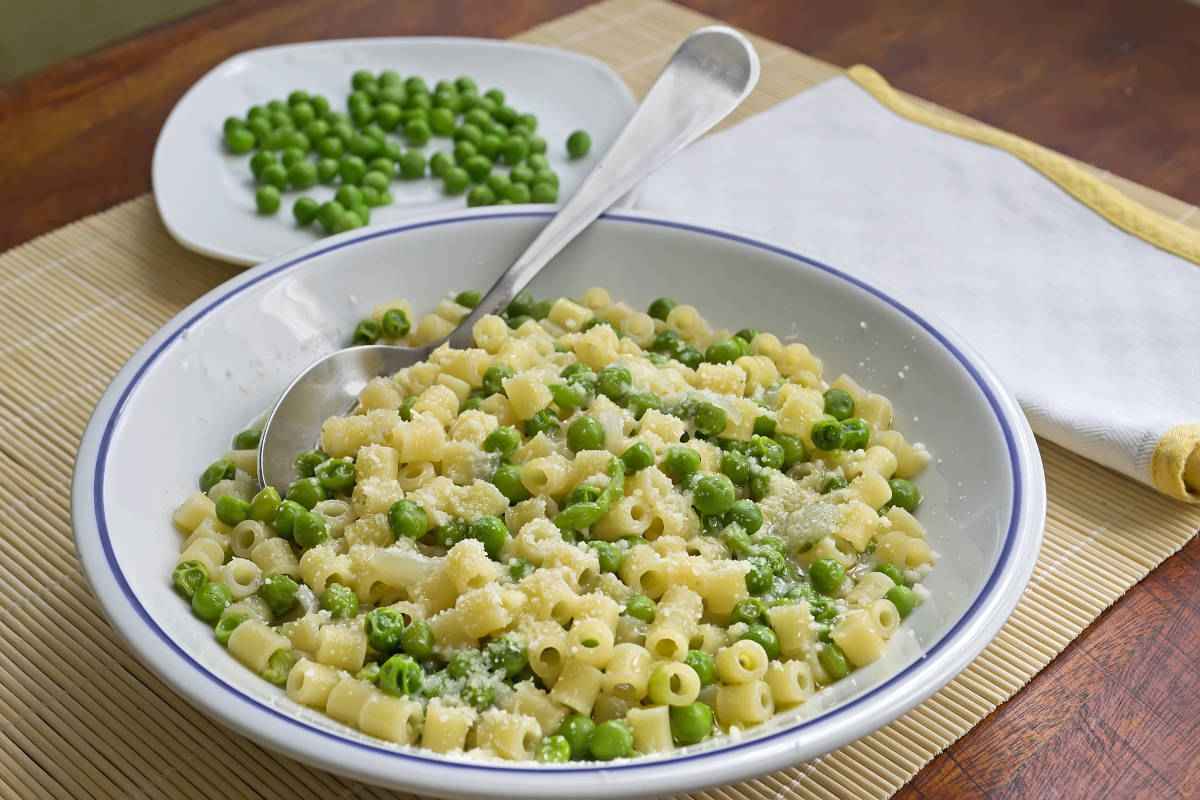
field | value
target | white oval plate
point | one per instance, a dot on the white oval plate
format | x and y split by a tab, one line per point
206	195
174	406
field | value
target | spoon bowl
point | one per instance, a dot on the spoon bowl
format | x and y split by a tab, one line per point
709	75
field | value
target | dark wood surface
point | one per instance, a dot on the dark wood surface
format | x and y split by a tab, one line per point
1111	82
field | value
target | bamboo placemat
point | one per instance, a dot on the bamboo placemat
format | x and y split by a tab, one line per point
80	717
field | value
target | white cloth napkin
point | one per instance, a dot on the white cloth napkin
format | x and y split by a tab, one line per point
1092	329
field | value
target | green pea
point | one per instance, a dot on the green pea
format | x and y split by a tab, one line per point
260	161
544	192
760	486
210	601
692	723
385	628
612	739
856	434
826	434
469	298
291	156
480	196
478	167
468	133
463	662
394	323
554	750
614	383
492	532
584	494
609	554
417	640
638	403
214	473
285	518
440	163
586	433
767	452
307	492
903	598
504	440
517	193
306	463
339	600
232	510
309	530
279	593
417	132
713	494
543	421
833	661
376	180
892	571
839	404
455	181
507	654
349	196
680	462
750	610
406	408
240	140
514	150
641	607
507	478
305	210
267	199
187	577
827	575
905	494
578	144
351	169
327	170
661	307
494	378
400	675
279	665
336	474
367	331
761	577
537	145
407	520
735	466
746	515
227	625
265	504
637	457
569	396
724	351
578	729
689	357
710	419
793	449
833	483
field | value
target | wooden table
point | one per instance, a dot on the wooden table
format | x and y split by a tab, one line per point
1109	82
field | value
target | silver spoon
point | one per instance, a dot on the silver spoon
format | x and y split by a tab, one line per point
707	77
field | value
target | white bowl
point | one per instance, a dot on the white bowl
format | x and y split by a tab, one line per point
206	195
173	407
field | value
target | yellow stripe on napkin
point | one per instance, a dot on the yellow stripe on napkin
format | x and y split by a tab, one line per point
1175	466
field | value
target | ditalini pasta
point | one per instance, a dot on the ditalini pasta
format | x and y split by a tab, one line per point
598	534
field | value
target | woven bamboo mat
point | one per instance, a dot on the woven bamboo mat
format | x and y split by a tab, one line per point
80	717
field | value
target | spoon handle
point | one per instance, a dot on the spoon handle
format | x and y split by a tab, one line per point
707	77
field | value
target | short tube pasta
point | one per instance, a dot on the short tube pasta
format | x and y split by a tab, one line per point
634	515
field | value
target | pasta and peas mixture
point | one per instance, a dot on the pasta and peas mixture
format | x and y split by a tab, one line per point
596	534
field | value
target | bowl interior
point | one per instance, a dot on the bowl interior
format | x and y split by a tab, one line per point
242	344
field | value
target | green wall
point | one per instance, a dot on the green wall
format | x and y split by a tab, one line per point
37	33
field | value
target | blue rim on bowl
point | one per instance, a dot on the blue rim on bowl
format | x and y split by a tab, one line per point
1019	518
